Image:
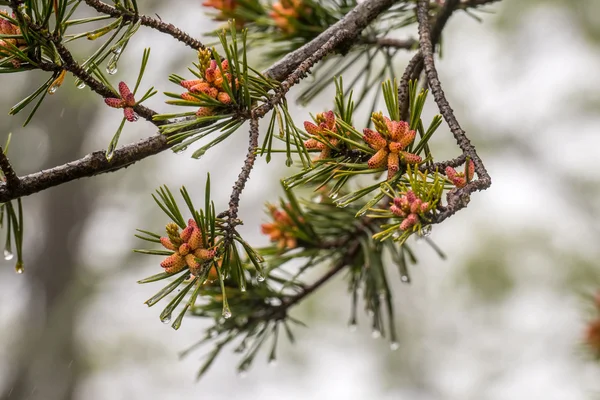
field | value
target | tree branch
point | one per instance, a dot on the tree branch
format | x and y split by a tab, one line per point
12	180
457	198
400	44
160	26
355	21
415	65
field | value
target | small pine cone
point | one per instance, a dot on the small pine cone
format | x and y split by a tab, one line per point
218	81
225	65
374	139
407	138
415	207
114	103
195	240
126	94
211	74
200	87
329	120
192	261
212	92
393	165
311	128
191	83
130	115
425	207
204	254
224	98
410	158
398	132
397	211
186	233
379	159
411	196
192	222
187	96
395	147
184	249
409	222
173	264
470	170
204	112
166	242
311	144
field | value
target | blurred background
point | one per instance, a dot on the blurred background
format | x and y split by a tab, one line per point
502	318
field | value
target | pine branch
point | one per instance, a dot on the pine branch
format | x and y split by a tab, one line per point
399	44
12	180
415	65
73	67
302	71
153	23
354	22
240	184
457	198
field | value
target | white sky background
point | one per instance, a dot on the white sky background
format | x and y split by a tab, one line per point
454	344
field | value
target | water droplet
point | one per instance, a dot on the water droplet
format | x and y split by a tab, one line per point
19	268
226	313
272	362
396	235
8	255
426	231
165	319
376	334
53	88
394	346
243	289
317	199
260	278
404	278
117	49
111	67
352	326
370	313
213	333
288	162
109	154
79	84
333	196
242	374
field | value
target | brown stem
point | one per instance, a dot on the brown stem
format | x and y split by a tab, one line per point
400	44
153	23
234	199
12	180
415	65
457	198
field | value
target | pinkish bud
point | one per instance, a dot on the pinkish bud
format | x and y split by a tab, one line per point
166	242
114	103
409	222
130	115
